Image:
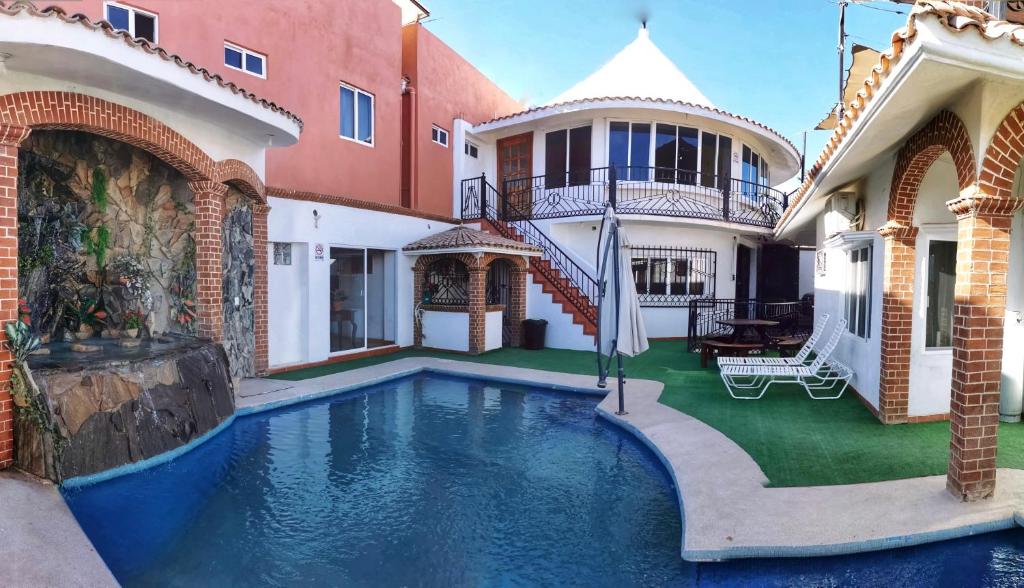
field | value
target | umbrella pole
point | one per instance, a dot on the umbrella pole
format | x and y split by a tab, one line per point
618	310
622	385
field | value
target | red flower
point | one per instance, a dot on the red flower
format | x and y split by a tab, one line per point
100	314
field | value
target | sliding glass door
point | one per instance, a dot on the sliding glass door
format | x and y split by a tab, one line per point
361	298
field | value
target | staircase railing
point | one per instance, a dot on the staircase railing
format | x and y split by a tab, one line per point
794	317
571	280
642	190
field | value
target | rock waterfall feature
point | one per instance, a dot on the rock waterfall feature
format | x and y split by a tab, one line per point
124	408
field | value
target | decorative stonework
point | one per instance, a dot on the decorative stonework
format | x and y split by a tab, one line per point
149	215
239	285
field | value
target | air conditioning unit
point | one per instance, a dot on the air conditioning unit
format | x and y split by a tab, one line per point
843	212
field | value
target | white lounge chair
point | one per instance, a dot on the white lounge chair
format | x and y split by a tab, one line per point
820	375
801	357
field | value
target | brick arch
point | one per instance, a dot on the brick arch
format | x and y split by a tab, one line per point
79	112
238	174
518	261
945	133
467	259
1003	156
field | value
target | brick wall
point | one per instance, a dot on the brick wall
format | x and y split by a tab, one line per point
10	137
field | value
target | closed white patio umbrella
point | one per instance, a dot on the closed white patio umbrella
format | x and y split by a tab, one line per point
620	326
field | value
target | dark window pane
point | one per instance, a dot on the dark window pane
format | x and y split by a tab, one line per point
348	113
659	276
941	280
118	17
708	152
679	278
145	27
664	153
254	64
579	156
640	274
554	158
618	148
366	118
232	57
640	152
687	161
724	162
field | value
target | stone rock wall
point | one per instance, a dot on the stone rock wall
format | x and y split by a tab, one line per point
238	260
116	413
149	214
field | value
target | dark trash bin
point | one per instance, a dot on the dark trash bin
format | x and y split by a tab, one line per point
534	331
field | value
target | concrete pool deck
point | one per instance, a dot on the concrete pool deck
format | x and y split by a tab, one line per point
728	511
40	540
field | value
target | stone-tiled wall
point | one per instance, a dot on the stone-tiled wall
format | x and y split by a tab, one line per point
237	261
150	215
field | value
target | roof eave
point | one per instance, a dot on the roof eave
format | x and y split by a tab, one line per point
473	250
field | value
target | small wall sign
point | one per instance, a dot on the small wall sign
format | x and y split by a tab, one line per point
820	266
318	252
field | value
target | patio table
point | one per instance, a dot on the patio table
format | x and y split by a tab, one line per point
740	327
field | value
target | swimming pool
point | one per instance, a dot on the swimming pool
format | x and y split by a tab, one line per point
438	481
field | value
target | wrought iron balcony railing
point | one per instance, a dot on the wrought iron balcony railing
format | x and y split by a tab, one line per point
634	190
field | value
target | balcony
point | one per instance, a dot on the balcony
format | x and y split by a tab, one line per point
655	191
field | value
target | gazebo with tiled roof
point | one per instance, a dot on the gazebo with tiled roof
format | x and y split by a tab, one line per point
469	281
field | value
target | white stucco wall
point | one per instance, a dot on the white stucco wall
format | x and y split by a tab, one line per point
580	240
339	226
449	330
492	330
562	333
806	285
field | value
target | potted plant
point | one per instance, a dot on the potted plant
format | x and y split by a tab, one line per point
132	323
90	318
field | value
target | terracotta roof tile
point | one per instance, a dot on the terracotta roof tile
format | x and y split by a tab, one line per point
13	8
956	17
466	238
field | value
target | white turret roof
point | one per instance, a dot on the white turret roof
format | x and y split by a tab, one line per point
640	70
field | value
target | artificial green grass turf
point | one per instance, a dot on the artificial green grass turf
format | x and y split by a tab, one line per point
795	440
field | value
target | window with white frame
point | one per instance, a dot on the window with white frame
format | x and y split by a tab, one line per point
567	157
472	150
138	23
356	114
439	135
672	276
941	283
679	154
282	253
245	60
858	291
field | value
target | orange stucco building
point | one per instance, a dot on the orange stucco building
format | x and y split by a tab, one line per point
365	45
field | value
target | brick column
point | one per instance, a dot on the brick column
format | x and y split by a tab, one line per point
516	308
477	309
259	295
209	201
897	319
982	262
11	137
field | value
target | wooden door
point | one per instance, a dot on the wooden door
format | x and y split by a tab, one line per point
515	168
743	309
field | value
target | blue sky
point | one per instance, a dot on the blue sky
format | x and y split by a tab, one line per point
772	60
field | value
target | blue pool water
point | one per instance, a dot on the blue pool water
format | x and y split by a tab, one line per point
437	481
